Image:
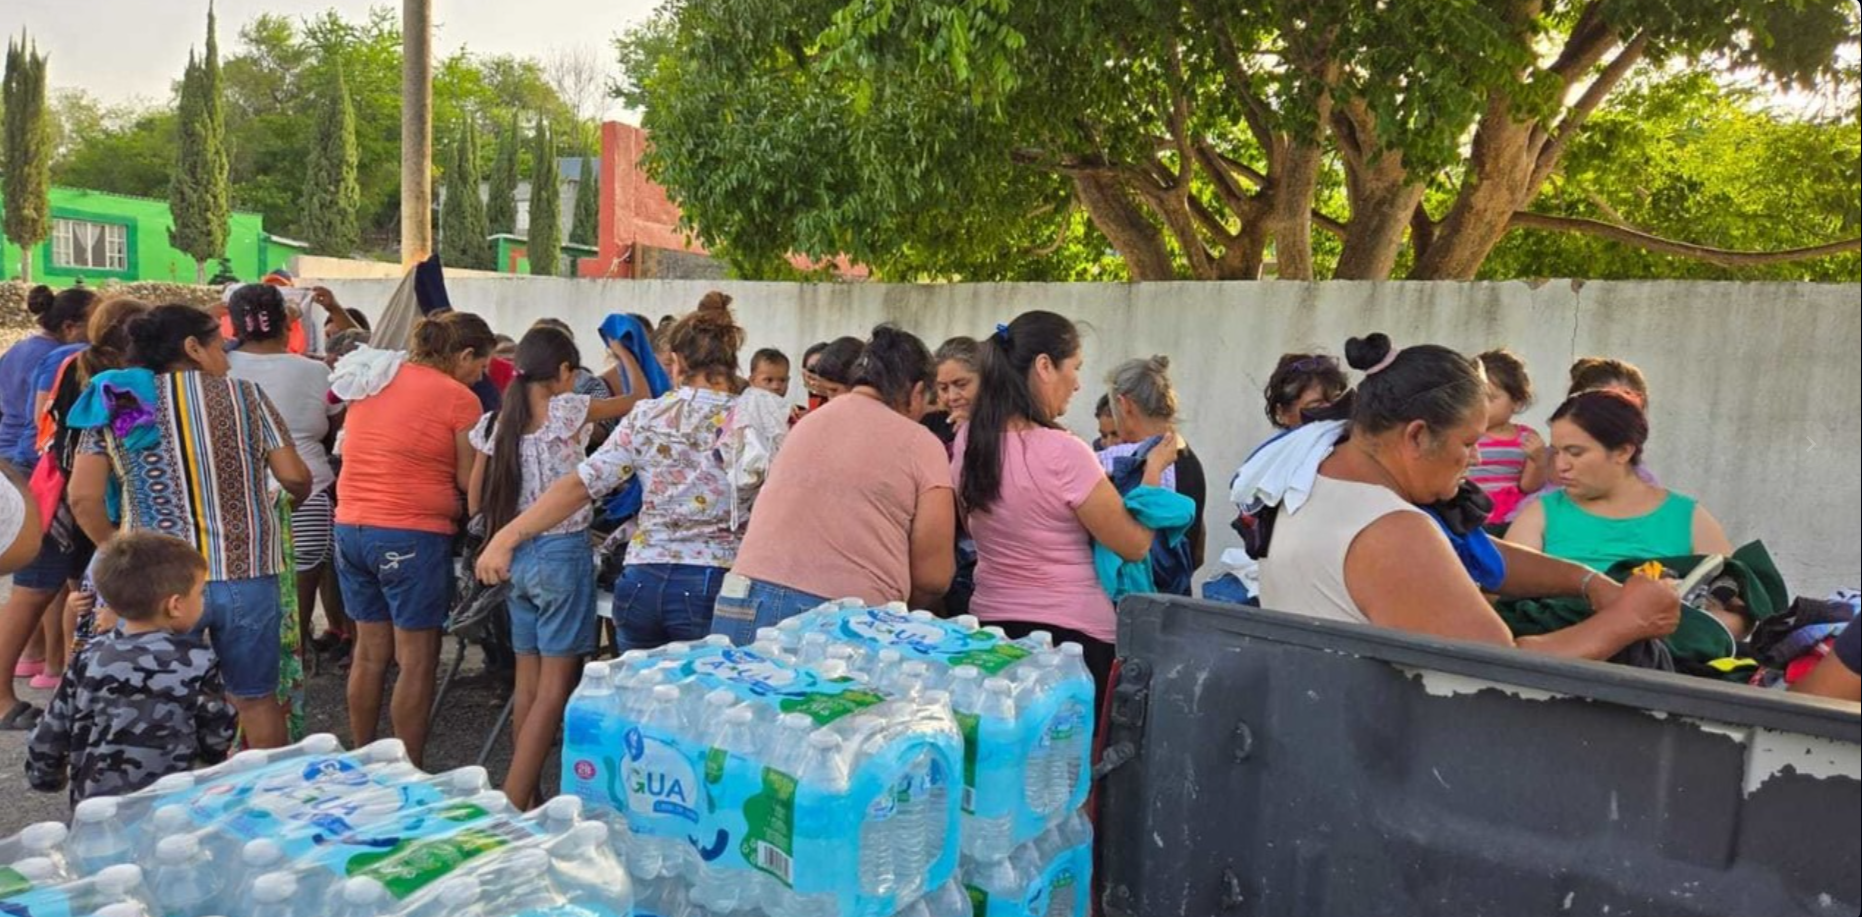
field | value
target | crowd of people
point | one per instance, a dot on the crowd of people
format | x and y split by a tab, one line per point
179	477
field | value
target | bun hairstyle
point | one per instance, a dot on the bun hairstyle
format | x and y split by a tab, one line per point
894	362
54	311
1427	383
707	340
439	340
158	338
1590	374
1297	372
1507	372
1611	417
258	312
109	336
1004	395
1147	384
838	359
541	355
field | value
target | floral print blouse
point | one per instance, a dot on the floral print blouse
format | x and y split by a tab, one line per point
550	453
701	457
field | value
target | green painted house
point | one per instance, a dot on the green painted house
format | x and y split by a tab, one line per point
99	236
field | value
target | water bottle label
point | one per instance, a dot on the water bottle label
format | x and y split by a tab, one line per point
411	865
12	883
661	779
967	723
769	827
753	676
941	641
408	851
51	901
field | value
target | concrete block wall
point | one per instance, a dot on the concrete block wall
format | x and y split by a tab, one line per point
1757	389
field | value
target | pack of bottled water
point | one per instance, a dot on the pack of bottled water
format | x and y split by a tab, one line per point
1050	876
760	786
675	897
314	830
1025	706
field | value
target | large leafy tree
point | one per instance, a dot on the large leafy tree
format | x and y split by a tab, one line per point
463	229
25	150
501	196
1201	138
199	196
544	244
331	192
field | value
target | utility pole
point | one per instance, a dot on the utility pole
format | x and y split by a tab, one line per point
416	130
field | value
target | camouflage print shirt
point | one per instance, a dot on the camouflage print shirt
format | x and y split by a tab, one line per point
131	709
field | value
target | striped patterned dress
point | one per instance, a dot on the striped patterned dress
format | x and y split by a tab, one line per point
1502	463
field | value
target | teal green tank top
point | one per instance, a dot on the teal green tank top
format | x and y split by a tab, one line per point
1573	534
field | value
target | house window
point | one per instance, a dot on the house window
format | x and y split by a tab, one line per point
96	246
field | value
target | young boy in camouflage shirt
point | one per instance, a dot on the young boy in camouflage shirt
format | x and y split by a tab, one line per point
145	700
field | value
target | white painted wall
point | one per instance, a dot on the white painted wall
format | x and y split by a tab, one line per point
1756	387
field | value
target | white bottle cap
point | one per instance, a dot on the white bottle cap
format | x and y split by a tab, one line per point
322	743
119	879
718	640
666	694
170	819
36	869
998	686
999	632
821	740
768	634
589	835
595	671
720	699
250	759
461	891
385	750
890	657
43	836
936	698
737	716
173	783
840	651
469	779
122	909
968	622
176	849
261	852
814	638
1072	649
362	890
274	888
923	615
95	809
795	722
563	808
966	672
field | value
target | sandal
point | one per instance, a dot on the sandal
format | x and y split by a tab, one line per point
22	718
27	668
45	681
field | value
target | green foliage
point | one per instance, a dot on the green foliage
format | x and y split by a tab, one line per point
331	192
198	195
544	244
25	149
131	155
1683	157
587	225
463	231
501	199
953	138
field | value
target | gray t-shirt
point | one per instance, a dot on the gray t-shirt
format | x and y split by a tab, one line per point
299	387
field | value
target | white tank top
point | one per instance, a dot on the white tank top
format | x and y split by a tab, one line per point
1305	567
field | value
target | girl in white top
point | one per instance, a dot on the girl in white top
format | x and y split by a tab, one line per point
1359	550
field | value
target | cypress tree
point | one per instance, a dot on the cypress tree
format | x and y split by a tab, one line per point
545	243
463	230
198	195
25	151
332	194
501	202
587	225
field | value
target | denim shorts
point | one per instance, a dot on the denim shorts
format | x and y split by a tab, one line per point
242	620
657	604
553	596
51	570
746	606
395	576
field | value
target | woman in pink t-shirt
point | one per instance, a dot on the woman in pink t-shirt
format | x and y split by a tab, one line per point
1035	498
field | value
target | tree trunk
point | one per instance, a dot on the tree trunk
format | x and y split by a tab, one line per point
25	263
1295	183
1498	175
1383	198
1246	255
200	273
1138	241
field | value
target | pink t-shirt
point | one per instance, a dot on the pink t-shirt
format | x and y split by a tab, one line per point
835	518
1034	560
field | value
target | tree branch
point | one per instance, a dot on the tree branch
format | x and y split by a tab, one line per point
1591	38
1636	238
1553	148
1066	229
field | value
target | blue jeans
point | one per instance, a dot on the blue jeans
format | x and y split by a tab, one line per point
242	620
657	604
397	576
553	596
746	606
1229	588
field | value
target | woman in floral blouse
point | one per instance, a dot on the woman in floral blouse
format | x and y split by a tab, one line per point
701	454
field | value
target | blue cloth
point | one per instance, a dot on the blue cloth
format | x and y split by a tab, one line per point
241	619
397	576
764	605
657	604
553	596
123	399
1165	512
1173	565
624	504
17	401
1229	589
430	287
1477	553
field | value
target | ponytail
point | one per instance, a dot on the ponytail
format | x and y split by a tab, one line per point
1004	396
541	355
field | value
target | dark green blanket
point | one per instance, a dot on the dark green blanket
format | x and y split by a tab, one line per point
1701	638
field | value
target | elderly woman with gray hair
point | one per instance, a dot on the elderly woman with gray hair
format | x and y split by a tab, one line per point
1144	409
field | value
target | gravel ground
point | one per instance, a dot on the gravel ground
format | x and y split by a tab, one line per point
471	707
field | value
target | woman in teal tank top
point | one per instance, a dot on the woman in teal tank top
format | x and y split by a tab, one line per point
1603	512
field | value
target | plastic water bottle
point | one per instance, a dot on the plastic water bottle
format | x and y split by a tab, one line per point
97	839
184	880
46	841
996	711
163	823
271	895
123	909
257	859
1075	741
39	872
908	831
814	648
360	896
936	792
582	868
561	815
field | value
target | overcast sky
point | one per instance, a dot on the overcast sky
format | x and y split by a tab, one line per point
123	49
